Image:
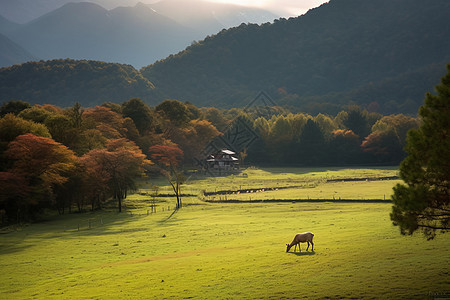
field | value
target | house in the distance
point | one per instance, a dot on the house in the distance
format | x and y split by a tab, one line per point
223	160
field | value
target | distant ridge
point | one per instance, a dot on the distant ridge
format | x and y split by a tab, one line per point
64	82
138	35
318	61
11	53
134	35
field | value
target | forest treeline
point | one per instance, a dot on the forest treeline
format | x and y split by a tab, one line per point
64	81
79	158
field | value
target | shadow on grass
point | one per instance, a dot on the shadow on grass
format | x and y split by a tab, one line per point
304	253
12	248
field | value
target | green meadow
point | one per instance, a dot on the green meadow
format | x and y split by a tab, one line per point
209	250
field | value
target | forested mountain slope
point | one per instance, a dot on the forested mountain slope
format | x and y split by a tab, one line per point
383	55
330	55
64	82
118	31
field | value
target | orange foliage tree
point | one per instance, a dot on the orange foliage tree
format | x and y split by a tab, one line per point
194	137
40	166
168	158
117	167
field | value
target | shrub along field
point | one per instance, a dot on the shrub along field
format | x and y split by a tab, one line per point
223	250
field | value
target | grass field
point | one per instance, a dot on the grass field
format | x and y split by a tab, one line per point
289	184
223	251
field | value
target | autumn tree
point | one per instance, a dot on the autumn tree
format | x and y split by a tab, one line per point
400	124
11	127
388	138
121	162
168	158
36	114
105	120
40	165
384	145
95	180
194	137
422	201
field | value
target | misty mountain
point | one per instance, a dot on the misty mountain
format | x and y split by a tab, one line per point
7	25
11	53
24	11
330	55
133	35
188	12
208	17
137	35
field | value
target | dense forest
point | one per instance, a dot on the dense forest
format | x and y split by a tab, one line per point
75	157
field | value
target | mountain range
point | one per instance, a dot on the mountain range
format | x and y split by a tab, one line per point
334	53
11	53
137	35
382	54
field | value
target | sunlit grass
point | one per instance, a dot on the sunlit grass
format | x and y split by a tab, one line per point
290	184
225	251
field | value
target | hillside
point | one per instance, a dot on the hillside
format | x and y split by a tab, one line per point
6	25
342	49
24	11
137	35
133	35
64	82
11	53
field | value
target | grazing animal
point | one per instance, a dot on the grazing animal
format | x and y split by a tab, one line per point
305	237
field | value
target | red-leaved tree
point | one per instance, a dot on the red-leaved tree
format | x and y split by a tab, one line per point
40	165
115	168
168	159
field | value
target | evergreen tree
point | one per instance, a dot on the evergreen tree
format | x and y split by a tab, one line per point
13	107
140	113
422	202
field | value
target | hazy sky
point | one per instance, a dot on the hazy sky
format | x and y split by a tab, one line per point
283	7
